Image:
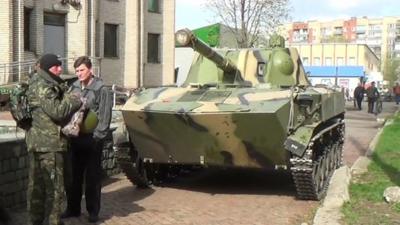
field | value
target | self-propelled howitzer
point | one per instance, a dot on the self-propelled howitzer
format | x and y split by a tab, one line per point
248	108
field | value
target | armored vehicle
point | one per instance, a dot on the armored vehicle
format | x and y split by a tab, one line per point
249	108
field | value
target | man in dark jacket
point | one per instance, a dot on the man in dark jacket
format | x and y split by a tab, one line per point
359	95
51	107
372	95
86	149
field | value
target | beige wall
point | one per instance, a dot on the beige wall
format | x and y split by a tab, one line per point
160	23
5	40
130	68
112	12
132	54
168	43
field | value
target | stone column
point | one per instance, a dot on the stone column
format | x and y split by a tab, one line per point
6	39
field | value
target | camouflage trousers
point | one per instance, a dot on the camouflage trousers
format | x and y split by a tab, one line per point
45	188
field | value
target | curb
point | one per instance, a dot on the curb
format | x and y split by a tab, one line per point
338	192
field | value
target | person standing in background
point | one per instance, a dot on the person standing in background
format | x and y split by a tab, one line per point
396	92
372	95
359	95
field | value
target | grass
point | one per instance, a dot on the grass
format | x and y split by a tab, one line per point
367	205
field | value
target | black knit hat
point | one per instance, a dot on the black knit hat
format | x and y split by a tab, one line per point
49	60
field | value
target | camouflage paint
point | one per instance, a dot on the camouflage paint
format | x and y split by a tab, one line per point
235	127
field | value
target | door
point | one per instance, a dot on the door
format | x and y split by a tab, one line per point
54	34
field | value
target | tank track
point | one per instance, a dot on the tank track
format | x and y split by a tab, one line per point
134	170
312	172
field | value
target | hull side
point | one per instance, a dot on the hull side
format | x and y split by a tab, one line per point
238	139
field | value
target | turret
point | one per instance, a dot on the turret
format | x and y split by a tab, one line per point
186	38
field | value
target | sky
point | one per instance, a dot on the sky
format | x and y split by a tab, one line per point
192	13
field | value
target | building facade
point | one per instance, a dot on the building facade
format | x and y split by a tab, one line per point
131	41
382	35
342	64
338	54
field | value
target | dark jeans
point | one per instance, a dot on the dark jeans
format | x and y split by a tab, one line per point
397	99
359	102
371	102
85	168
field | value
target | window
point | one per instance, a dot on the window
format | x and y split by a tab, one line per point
328	61
361	29
352	61
54	19
153	47
110	40
27	27
153	6
339	61
305	61
317	61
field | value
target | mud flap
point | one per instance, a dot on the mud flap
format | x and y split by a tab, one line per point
297	142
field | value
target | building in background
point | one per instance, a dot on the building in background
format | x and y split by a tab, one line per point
342	64
346	77
131	41
382	35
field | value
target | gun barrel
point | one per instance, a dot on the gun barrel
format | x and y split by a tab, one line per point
186	38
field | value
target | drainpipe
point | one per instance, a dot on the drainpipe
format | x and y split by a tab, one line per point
92	28
141	43
20	49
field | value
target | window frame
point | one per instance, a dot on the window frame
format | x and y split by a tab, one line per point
305	61
28	44
154	6
340	61
111	53
315	60
352	61
328	61
150	57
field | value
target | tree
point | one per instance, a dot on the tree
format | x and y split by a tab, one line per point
250	19
391	69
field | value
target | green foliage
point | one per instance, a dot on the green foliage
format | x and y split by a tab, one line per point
396	207
390	65
367	205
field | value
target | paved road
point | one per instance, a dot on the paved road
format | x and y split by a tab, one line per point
224	197
361	128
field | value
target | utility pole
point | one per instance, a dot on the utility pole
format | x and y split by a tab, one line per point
336	76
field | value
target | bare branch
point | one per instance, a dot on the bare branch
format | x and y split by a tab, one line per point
249	19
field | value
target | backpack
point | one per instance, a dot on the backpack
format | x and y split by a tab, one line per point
19	107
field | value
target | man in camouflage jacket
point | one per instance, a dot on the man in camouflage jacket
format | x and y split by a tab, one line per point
51	108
